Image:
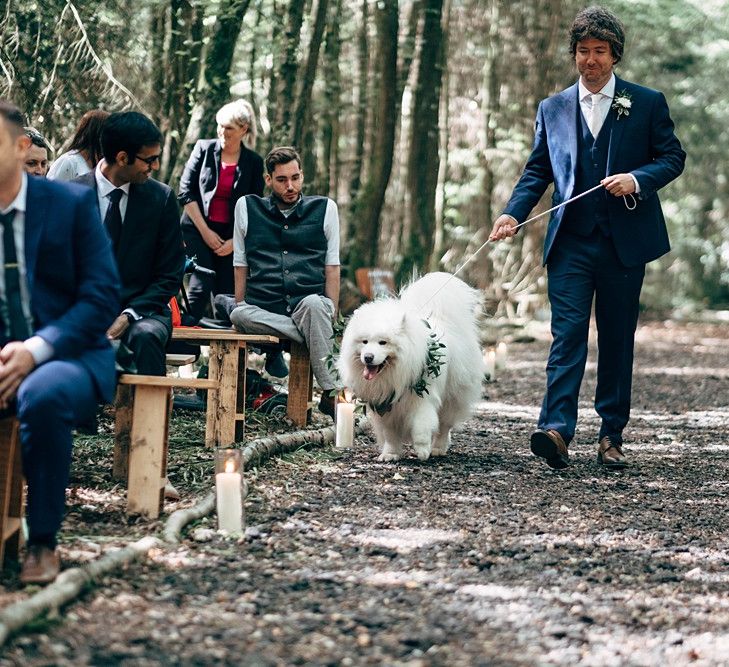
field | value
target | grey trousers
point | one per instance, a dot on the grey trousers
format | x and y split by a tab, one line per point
310	323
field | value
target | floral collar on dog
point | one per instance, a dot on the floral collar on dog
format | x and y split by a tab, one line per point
433	363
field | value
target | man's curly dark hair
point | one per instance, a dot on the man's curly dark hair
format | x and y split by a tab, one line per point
598	23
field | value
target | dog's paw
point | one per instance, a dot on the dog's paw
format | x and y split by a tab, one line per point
388	456
439	452
423	453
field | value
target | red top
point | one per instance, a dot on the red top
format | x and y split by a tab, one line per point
219	210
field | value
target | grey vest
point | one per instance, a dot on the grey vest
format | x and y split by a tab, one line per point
286	256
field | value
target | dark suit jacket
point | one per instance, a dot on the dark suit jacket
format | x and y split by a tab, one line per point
642	143
200	177
72	278
150	256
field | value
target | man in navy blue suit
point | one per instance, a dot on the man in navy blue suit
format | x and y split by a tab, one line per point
58	295
609	131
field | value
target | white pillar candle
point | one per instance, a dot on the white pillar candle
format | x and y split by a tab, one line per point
229	501
501	355
345	425
489	358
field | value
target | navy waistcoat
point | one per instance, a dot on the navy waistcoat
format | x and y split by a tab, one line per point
582	216
286	256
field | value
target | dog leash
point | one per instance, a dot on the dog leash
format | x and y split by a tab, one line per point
526	222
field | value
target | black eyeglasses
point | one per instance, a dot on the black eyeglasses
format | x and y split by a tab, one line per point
149	160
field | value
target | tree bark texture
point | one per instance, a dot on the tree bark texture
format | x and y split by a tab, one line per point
368	206
423	160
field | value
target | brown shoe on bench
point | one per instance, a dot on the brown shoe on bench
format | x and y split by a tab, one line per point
41	565
610	453
550	446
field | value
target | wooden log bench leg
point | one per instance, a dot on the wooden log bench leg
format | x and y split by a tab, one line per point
122	431
300	385
222	409
144	420
147	445
11	491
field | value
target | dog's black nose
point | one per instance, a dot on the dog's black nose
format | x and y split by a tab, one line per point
369	358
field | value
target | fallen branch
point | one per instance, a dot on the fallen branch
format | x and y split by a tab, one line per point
70	583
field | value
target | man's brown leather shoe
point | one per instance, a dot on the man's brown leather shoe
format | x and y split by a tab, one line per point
550	445
610	454
41	565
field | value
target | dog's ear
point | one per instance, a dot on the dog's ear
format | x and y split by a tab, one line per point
404	322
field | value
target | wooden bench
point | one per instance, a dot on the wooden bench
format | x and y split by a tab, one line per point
228	362
11	490
143	408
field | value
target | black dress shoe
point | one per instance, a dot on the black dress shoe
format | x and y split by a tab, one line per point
610	454
550	446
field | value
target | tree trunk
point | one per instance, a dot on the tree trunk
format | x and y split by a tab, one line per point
302	114
213	90
183	55
440	196
423	159
333	103
286	78
361	103
368	206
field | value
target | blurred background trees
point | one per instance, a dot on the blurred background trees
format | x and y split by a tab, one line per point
415	115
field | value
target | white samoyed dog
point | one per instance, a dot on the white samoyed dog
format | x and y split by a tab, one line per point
384	358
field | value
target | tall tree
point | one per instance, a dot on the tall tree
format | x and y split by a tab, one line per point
286	77
423	157
368	206
333	102
361	101
213	89
302	113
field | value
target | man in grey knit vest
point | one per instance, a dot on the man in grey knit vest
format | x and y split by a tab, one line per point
286	266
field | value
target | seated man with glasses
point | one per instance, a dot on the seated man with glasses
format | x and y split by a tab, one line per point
142	219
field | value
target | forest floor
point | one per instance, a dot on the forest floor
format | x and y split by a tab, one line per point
485	557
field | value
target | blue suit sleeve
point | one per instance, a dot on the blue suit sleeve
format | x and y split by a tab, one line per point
668	156
96	302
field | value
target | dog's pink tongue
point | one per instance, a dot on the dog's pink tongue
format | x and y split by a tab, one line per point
369	372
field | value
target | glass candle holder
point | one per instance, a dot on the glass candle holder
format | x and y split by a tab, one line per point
229	489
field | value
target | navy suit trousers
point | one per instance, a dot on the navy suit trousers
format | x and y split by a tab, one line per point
580	269
54	398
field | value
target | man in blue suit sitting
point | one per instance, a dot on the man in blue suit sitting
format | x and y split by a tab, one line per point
609	131
58	295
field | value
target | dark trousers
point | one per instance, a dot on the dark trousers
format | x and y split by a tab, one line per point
54	398
147	339
579	269
200	287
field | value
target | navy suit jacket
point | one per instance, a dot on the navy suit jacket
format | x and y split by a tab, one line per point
642	143
151	254
72	277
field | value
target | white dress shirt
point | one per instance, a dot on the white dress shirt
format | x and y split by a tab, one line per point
603	99
104	188
40	349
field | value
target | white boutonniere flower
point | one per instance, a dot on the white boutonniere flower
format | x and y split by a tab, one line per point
622	103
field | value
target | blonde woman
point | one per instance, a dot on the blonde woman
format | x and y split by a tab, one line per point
218	173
